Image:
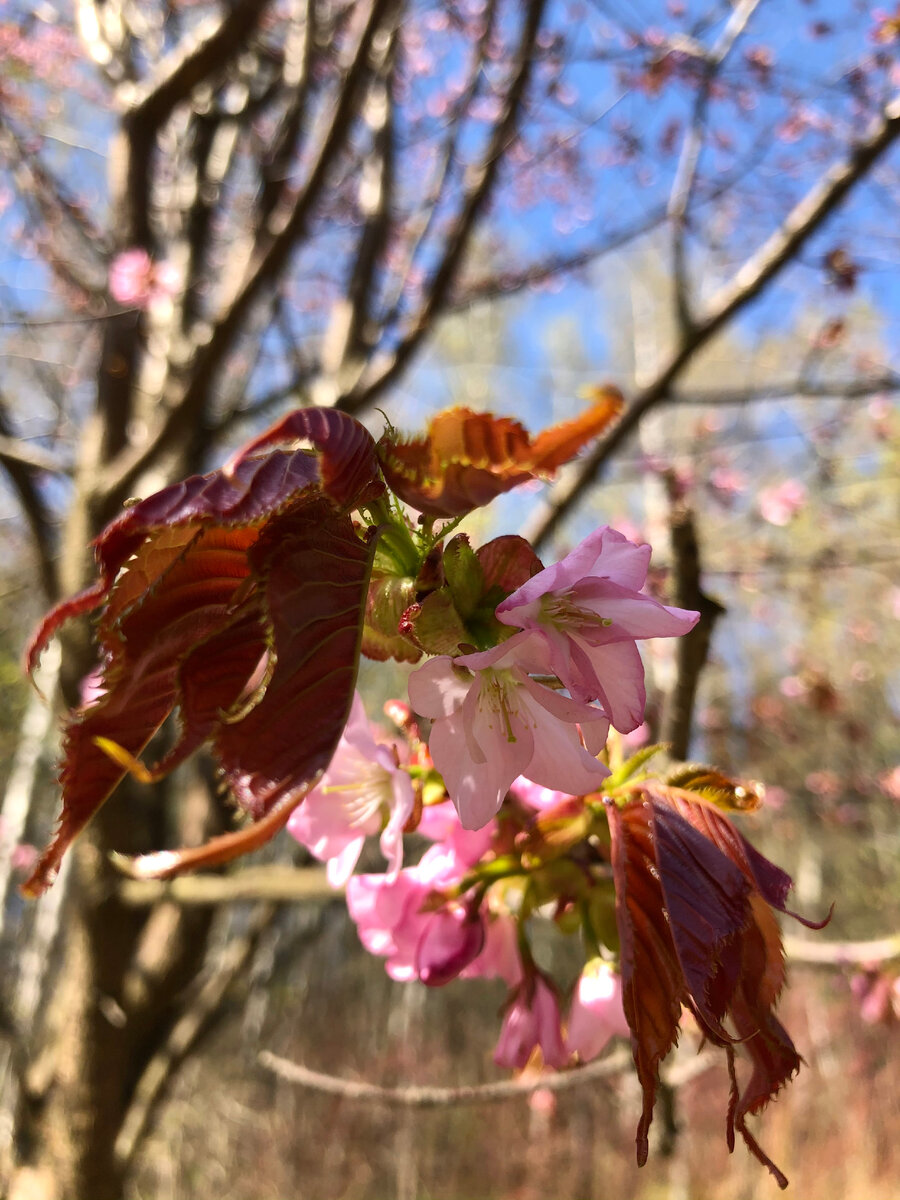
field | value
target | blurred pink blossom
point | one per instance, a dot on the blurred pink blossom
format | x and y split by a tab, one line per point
135	280
596	1014
889	782
532	1022
780	504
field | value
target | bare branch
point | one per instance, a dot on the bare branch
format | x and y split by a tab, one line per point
772	257
417	235
270	883
479	1093
297	76
475	196
875	953
285	229
692	650
443	1097
683	185
20	463
207	51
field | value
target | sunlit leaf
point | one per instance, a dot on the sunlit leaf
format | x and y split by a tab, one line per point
466	458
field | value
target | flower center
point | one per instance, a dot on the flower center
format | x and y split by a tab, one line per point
560	609
365	797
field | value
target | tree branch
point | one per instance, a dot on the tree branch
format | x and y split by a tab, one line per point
692	650
769	260
443	1097
285	229
21	463
476	194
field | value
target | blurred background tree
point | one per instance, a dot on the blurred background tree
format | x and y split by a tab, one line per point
216	212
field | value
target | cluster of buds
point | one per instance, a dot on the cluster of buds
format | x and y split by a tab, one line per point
241	600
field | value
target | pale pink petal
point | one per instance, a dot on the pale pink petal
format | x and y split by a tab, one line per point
596	1014
437	689
560	761
340	866
623	694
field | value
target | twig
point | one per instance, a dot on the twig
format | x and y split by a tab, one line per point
442	1097
271	883
479	1093
843	954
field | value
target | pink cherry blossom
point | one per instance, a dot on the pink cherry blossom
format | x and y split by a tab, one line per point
362	785
531	1022
135	280
596	1014
493	722
499	957
588	612
393	918
780	504
451	938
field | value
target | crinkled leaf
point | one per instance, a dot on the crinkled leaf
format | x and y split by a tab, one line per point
191	601
159	528
389	597
468	458
191	618
716	787
707	901
772	883
347	459
314	574
652	982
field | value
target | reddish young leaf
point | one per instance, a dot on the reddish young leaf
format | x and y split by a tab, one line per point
696	928
233	598
508	562
467	458
653	986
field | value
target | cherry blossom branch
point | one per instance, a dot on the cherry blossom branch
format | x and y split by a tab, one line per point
770	259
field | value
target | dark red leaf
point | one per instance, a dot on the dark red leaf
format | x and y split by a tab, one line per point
224	595
348	462
652	982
